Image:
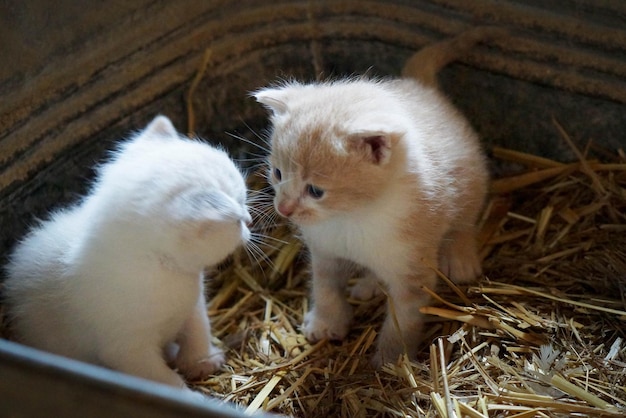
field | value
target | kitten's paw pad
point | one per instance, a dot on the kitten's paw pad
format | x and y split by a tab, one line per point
318	328
365	289
204	367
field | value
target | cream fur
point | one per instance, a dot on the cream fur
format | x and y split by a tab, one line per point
404	180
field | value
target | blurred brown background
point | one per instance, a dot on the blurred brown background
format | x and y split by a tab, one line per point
77	75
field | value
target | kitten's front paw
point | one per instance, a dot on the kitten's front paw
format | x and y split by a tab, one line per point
459	259
464	271
317	327
193	395
365	289
386	352
461	268
202	368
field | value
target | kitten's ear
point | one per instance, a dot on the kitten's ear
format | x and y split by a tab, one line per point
273	99
206	205
161	126
376	146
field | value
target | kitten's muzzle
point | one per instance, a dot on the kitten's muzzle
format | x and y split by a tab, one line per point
286	209
247	219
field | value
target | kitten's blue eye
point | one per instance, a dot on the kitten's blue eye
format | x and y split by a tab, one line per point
314	192
278	174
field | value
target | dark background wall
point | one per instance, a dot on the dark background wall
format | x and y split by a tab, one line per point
78	75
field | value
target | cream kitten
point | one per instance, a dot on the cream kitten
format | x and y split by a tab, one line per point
385	175
116	280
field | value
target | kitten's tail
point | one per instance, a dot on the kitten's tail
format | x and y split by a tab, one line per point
428	61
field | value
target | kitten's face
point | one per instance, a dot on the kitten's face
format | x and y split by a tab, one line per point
326	159
218	226
191	196
318	174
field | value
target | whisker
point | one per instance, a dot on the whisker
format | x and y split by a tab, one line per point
262	217
260	196
264	192
263	173
260	250
282	182
269	220
252	256
248	141
258	210
264	139
280	241
254	157
251	166
261	203
257	254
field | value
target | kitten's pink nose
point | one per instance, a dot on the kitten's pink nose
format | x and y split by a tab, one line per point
286	208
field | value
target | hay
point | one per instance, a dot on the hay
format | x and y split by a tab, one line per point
539	335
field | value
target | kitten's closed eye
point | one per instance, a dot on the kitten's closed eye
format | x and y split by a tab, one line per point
207	205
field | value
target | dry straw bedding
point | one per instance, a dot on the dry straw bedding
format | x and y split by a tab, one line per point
539	335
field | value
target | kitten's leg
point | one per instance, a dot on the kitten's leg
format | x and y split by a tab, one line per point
402	330
197	357
458	256
147	363
141	360
331	314
170	351
366	287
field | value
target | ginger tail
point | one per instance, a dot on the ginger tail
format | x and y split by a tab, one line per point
426	63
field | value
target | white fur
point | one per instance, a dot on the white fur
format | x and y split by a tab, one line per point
117	279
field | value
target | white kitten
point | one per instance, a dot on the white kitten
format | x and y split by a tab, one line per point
385	175
116	280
